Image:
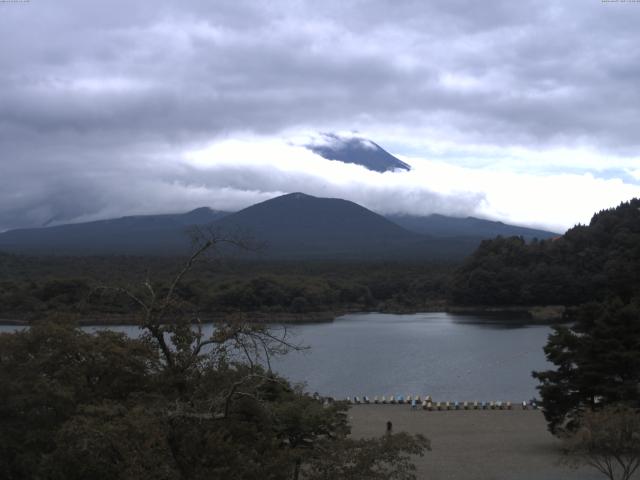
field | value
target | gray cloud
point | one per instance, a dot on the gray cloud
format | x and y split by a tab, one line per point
96	99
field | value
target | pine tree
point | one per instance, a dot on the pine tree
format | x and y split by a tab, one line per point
597	360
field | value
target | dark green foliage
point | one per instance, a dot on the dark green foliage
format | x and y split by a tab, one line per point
587	263
172	404
51	371
103	406
597	360
31	287
386	458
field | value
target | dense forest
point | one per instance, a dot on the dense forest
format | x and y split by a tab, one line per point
596	357
590	262
174	404
33	287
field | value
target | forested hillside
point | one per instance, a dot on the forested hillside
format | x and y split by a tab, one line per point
588	263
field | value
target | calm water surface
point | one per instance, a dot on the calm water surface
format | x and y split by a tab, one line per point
449	357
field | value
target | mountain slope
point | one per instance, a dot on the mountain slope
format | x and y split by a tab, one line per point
297	225
357	150
143	234
293	226
443	226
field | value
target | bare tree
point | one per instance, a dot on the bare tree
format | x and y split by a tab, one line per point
607	440
170	322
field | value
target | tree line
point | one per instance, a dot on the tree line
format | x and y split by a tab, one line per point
174	404
590	262
214	289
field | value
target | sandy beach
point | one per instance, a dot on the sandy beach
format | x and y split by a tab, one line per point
475	444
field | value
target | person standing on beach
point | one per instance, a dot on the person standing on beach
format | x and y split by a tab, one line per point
389	427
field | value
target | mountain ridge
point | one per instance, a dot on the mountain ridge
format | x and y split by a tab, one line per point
293	226
444	226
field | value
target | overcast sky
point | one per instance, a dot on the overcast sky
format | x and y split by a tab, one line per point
523	111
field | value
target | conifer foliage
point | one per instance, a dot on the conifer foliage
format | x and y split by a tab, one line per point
587	263
597	363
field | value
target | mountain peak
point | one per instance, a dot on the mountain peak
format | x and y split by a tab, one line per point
296	196
356	150
200	210
298	225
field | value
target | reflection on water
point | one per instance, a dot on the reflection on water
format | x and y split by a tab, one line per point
461	357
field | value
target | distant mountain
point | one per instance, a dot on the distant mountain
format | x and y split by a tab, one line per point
357	150
293	226
443	226
141	234
299	225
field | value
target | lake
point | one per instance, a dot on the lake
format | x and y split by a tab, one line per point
450	357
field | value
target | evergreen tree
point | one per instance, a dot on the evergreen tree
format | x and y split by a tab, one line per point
597	360
588	263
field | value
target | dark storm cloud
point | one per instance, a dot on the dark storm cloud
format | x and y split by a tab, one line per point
97	98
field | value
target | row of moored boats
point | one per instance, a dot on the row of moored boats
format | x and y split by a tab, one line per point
426	403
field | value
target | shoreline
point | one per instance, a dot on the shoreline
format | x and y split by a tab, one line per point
93	320
544	315
541	314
